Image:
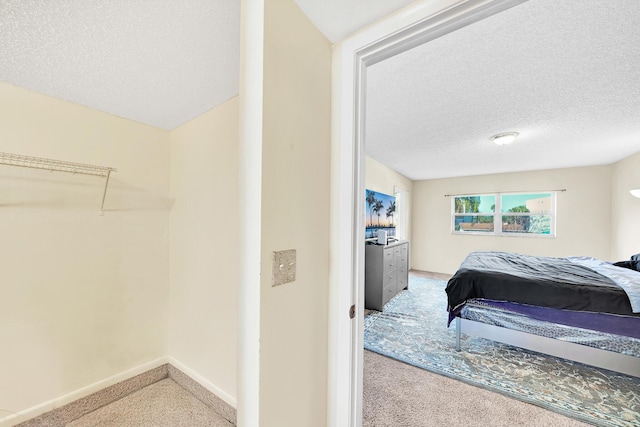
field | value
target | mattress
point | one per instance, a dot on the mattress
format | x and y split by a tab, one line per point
616	333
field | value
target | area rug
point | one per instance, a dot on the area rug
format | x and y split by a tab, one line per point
413	328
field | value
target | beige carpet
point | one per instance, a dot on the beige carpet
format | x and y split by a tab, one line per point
161	404
397	394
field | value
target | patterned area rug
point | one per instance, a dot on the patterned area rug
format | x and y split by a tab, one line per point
413	329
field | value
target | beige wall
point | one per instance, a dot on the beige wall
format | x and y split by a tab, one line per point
583	216
83	296
625	209
204	247
383	179
295	209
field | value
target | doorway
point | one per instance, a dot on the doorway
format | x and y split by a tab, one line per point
417	25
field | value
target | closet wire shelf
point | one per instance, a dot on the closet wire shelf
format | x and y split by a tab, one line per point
9	159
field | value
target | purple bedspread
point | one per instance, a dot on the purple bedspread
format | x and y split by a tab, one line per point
628	326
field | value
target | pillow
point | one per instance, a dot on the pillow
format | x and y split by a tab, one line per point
632	265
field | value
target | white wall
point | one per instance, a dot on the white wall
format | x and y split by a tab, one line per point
625	209
83	296
583	223
295	215
204	247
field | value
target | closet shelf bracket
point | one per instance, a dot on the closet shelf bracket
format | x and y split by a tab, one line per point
9	159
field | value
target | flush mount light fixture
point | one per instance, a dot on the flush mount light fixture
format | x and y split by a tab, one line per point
635	193
504	138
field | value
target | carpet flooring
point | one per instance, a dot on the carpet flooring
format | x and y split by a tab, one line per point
396	394
412	328
161	404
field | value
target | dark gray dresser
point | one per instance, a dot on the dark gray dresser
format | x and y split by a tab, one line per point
386	272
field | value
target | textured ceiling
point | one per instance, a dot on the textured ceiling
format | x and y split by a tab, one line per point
565	75
160	62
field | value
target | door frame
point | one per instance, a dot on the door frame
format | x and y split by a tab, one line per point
410	27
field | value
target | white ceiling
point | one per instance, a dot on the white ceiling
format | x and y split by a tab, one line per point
563	74
337	19
160	62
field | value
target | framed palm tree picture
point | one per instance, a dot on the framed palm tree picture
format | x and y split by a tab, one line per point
381	214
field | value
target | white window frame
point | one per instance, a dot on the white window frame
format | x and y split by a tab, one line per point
498	214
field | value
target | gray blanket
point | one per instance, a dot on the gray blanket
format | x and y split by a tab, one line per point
541	281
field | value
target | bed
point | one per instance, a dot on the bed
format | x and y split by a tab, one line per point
577	308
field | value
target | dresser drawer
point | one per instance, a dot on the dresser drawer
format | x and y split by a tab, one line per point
404	249
389	278
402	258
402	280
389	260
388	293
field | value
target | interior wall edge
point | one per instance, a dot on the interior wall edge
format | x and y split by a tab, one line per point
200	379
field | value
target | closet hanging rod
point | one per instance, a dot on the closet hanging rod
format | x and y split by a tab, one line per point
10	159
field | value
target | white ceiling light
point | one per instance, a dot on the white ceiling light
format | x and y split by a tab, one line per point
635	193
504	138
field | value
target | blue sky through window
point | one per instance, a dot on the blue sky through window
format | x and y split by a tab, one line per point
508	201
486	202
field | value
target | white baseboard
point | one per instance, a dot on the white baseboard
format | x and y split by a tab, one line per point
29	413
16	418
203	382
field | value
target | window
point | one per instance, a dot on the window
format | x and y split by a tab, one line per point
514	214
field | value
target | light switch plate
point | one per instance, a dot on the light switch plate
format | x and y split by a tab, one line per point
284	267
